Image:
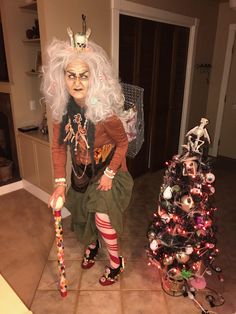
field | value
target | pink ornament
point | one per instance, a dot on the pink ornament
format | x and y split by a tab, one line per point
196	191
198	282
212	190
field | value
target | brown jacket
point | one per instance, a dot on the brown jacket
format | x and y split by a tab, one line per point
110	131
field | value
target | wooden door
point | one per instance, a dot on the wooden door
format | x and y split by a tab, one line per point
227	147
153	55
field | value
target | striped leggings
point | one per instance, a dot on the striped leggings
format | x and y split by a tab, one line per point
109	236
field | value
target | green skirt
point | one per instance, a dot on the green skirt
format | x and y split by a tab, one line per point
83	206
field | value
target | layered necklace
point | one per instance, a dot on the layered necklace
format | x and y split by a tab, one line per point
77	137
79	134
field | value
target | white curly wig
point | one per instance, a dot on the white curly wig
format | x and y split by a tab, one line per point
104	97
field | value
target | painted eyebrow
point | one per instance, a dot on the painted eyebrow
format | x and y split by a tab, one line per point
73	73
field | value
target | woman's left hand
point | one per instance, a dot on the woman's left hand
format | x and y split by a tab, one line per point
105	183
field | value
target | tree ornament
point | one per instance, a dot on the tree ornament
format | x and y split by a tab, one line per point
208	223
211	190
199	221
196	191
186	203
182	257
175	188
154	245
151	235
188	249
168	260
210	245
167	194
190	167
198	282
210	177
197	137
186	274
166	218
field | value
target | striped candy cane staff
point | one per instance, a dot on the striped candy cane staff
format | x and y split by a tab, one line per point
60	245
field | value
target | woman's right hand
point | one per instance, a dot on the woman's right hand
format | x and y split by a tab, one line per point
60	190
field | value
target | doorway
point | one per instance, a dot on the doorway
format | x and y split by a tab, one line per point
227	148
9	167
226	114
153	55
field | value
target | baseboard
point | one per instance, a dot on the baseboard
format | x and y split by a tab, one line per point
37	192
31	188
8	188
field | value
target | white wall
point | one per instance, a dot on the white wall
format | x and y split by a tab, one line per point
226	17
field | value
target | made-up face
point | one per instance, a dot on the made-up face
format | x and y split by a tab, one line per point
77	80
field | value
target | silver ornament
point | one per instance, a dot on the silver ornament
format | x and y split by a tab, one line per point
154	245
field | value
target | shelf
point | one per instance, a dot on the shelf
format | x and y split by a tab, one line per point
31	41
31	73
36	136
30	6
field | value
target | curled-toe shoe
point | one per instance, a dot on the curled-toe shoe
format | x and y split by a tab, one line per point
89	256
111	275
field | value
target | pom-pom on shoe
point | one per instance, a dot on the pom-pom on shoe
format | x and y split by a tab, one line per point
89	256
111	274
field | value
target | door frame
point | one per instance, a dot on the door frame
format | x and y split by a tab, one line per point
223	89
137	10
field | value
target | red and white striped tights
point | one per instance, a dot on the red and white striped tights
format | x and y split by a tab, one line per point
109	236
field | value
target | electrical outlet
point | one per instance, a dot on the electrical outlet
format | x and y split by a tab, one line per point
32	104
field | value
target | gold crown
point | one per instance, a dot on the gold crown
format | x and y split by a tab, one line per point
79	41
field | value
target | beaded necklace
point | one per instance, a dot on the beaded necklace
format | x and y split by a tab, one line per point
76	131
79	137
80	133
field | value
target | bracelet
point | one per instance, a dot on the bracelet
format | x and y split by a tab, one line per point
110	171
108	175
57	180
60	184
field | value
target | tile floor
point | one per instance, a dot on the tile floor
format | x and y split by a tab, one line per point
138	290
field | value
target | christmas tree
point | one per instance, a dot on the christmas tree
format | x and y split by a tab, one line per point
182	242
